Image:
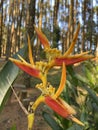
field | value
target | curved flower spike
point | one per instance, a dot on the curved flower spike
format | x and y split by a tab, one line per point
62	83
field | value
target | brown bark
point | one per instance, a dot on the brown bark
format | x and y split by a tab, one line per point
1	22
84	25
30	29
39	26
56	7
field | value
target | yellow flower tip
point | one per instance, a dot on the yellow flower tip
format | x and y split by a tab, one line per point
77	121
14	60
67	106
30	121
42	38
73	41
11	59
30	51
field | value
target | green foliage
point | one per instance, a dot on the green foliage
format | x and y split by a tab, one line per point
7	76
13	127
51	121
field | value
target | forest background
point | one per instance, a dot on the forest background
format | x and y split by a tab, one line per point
57	19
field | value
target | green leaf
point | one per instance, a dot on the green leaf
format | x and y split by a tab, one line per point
51	121
72	73
91	93
7	76
85	84
13	127
82	78
90	76
75	127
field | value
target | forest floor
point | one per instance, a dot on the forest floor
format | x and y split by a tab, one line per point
13	116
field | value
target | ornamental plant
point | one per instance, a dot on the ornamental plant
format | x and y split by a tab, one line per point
39	69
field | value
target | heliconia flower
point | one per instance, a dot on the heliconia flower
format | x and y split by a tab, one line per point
40	69
67	57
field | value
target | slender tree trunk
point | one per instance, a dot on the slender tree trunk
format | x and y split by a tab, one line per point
39	26
8	46
72	18
18	28
97	34
91	28
30	29
84	25
1	27
69	26
56	7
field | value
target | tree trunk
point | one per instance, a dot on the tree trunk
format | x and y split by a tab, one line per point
72	19
84	25
1	22
39	26
30	29
8	46
56	7
91	28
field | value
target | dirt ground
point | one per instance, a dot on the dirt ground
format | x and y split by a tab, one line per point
13	115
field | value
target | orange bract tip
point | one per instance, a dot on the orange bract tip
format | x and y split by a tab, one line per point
42	38
71	59
26	67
